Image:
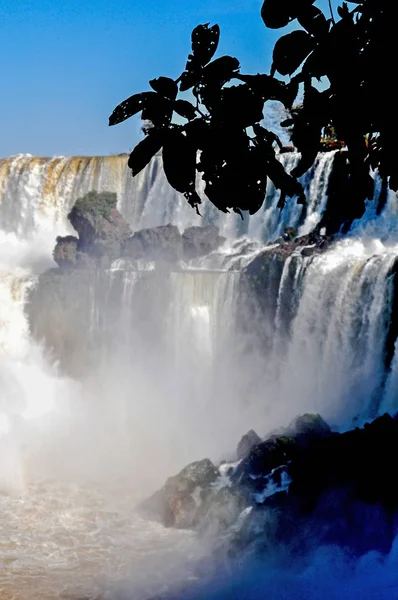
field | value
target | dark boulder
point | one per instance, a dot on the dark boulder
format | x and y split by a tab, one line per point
155	243
247	442
264	458
304	489
200	241
308	427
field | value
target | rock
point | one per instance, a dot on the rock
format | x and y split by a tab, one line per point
102	229
335	489
199	241
282	447
155	243
311	425
65	251
264	458
176	504
221	508
289	234
247	442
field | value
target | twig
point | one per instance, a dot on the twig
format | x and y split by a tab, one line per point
331	12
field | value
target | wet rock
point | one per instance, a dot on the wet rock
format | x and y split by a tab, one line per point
306	488
308	427
280	448
155	243
177	504
265	457
221	508
200	241
247	442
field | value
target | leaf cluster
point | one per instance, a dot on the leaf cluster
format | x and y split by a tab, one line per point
219	133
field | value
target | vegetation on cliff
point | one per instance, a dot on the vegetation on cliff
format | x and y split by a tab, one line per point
96	203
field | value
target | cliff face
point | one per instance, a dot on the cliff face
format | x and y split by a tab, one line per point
83	316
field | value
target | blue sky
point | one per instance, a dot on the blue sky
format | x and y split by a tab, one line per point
66	64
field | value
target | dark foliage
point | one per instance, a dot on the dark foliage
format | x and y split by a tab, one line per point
222	137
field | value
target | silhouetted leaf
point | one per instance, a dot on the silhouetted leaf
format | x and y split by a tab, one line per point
144	151
307	129
266	86
343	11
179	161
197	132
239	105
317	63
158	110
314	21
282	180
185	109
204	42
188	80
278	13
275	13
130	107
221	70
290	51
165	86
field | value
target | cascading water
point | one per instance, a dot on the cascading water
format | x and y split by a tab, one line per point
36	195
329	338
129	375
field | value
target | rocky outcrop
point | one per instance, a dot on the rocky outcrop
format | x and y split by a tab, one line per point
101	228
104	236
314	485
200	241
101	233
156	243
247	442
178	503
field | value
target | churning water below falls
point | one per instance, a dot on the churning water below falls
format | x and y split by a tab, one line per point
163	369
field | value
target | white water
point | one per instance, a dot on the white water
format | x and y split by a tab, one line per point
36	195
172	379
331	358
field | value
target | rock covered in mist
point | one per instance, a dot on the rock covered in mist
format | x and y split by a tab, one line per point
309	426
247	442
302	486
200	241
155	243
177	504
65	252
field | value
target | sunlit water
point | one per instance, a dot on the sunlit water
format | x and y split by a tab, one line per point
78	541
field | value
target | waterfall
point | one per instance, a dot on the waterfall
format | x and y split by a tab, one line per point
116	378
334	357
36	195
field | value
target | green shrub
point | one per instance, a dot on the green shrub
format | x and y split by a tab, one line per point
96	203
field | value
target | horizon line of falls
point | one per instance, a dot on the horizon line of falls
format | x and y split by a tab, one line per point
115	379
